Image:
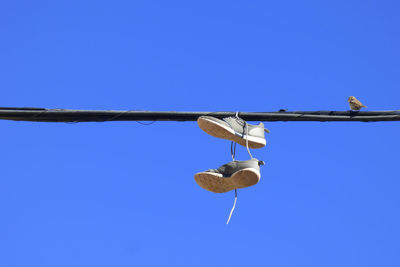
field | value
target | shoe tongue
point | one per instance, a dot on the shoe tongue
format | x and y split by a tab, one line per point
262	125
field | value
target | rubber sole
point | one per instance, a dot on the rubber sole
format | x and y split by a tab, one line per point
223	132
216	183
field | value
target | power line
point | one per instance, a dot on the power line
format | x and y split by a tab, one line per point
69	115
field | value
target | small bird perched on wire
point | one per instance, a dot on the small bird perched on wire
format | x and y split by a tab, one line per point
355	104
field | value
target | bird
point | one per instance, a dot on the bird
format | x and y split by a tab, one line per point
354	103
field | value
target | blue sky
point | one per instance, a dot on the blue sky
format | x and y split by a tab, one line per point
123	194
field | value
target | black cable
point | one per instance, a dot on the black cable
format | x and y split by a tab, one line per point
66	115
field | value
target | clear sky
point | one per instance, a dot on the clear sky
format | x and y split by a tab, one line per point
123	194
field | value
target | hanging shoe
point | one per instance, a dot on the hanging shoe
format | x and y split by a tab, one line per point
234	129
235	174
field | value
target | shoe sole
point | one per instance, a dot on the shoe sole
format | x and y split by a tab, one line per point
216	183
221	131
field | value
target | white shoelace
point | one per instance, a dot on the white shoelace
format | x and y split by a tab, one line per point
233	154
247	139
233	208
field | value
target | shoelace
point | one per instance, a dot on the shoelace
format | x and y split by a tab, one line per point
245	133
247	139
233	208
233	154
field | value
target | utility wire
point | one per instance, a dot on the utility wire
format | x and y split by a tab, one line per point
69	115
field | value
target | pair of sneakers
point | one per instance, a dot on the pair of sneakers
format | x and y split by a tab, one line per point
235	174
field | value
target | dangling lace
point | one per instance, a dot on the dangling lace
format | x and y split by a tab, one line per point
245	131
233	208
247	139
233	154
233	150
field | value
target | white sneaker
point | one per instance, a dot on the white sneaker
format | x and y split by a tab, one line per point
233	175
234	129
